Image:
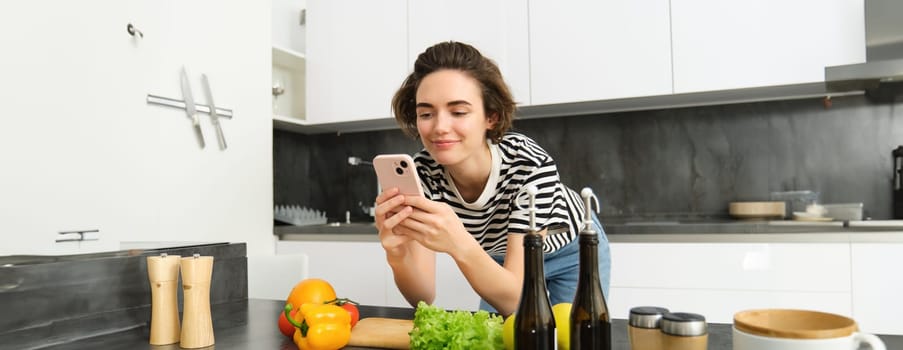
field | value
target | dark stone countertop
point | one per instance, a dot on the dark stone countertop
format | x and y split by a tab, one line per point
251	324
661	230
727	226
656	226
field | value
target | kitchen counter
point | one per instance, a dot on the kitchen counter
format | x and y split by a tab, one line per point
666	231
251	324
57	299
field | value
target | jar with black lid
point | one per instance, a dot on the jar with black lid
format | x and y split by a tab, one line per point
684	331
643	327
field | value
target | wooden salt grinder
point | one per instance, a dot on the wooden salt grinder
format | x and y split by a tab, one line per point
163	274
197	325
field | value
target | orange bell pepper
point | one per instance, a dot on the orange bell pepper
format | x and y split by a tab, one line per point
322	327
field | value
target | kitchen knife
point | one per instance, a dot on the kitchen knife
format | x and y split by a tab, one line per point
189	107
213	117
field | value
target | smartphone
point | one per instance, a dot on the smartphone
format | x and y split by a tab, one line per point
398	170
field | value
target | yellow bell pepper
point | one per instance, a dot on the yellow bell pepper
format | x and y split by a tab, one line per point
322	327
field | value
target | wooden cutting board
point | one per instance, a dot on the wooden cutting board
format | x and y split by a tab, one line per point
378	332
757	210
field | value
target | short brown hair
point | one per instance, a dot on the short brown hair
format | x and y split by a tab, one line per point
453	55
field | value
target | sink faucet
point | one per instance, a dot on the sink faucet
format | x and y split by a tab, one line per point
358	161
355	161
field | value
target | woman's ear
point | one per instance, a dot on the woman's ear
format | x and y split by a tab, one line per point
491	120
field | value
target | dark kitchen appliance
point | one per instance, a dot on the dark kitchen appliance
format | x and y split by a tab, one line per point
898	182
881	75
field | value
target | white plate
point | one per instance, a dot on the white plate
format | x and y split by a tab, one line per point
804	216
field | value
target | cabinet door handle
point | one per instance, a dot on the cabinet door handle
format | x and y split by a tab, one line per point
76	236
133	31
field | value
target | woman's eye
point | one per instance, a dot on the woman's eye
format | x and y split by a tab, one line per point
459	113
424	115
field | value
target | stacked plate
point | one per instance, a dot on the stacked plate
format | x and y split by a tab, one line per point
814	212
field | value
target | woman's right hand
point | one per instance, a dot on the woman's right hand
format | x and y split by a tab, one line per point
390	211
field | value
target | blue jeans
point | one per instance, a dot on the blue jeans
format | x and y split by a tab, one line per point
562	268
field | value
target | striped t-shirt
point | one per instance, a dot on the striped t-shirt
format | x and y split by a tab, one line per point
502	208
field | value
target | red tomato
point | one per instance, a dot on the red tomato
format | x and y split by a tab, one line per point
285	327
352	309
350	306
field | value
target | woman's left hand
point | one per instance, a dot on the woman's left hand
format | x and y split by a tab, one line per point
435	225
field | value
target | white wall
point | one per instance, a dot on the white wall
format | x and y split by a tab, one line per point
80	148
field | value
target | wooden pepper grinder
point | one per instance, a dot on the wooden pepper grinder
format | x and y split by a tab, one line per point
163	274
197	325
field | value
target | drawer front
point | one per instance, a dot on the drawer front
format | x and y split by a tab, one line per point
821	267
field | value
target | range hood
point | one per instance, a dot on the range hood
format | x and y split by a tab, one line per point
881	76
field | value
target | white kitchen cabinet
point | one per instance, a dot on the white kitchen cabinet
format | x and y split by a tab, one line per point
357	270
498	29
286	20
393	295
453	291
719	279
719	45
356	58
273	276
68	82
599	50
86	150
877	286
737	266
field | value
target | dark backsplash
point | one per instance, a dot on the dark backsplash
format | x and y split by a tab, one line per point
676	162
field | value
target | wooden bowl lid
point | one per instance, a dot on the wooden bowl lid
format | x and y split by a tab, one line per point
794	324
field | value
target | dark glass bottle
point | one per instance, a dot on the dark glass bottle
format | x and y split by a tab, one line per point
534	325
590	321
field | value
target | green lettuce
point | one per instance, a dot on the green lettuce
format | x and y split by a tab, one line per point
435	328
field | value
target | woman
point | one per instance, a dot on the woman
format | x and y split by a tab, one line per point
473	173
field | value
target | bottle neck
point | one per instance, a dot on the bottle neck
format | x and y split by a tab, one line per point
534	275
533	257
589	260
589	248
589	296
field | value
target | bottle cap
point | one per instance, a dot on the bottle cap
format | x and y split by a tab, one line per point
531	192
646	316
683	324
588	198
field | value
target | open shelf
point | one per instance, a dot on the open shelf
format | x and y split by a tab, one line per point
287	57
289	73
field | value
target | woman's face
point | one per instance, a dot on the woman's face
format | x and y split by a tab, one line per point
450	116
